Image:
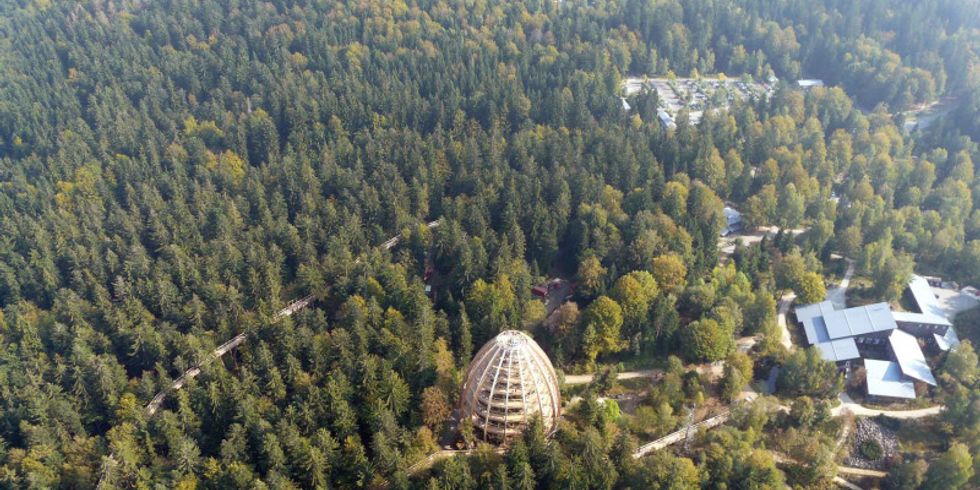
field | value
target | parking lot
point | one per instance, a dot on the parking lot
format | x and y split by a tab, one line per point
697	95
953	301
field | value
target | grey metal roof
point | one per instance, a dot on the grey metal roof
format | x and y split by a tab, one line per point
909	356
839	350
810	82
811	316
732	216
921	318
925	299
885	379
822	322
947	341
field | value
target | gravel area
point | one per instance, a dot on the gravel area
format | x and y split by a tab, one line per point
867	429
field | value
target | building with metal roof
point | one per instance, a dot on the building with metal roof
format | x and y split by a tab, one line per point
909	356
885	379
733	221
931	318
822	323
809	83
811	316
839	350
838	334
926	300
946	341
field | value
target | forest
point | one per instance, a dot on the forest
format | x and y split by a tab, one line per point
174	173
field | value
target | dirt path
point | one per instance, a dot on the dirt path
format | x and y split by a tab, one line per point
850	470
582	379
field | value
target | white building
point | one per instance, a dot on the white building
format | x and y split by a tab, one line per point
885	380
875	330
733	221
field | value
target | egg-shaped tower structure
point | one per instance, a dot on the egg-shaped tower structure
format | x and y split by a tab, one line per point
509	382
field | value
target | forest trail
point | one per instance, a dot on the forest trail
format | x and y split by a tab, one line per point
428	461
391	242
293	307
154	405
850	470
581	379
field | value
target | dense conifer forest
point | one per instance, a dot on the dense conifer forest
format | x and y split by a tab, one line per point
174	173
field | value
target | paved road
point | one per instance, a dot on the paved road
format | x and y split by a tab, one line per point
713	370
838	295
848	404
726	244
784	304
